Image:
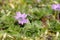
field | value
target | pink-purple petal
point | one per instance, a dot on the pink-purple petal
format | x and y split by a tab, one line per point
25	21
16	17
18	13
21	22
24	15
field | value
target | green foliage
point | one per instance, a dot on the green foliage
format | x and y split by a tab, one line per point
38	15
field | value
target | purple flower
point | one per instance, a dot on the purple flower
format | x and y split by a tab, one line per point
56	6
21	18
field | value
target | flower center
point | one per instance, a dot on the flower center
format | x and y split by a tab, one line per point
20	18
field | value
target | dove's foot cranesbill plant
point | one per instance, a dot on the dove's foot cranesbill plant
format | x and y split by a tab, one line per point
29	19
21	18
56	8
